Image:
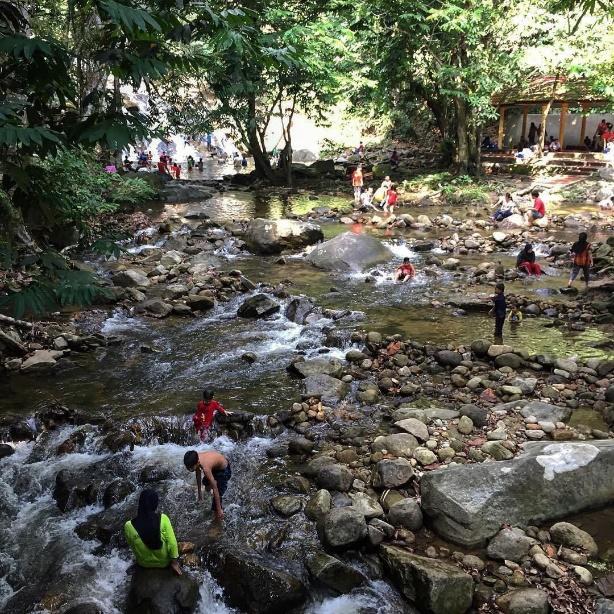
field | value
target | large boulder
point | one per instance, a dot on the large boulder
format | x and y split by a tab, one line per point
398	444
545	412
40	360
335	477
469	503
73	490
273	236
258	306
299	308
304	155
406	513
513	221
254	584
349	252
391	473
161	591
568	534
524	601
434	586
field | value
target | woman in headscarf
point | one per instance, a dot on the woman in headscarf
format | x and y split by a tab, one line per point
150	535
525	261
582	259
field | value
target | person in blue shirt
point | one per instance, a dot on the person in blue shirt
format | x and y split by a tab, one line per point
499	310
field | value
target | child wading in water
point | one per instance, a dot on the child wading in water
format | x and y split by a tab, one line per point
499	309
205	414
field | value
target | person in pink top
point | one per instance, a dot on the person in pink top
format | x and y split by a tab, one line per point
357	183
539	209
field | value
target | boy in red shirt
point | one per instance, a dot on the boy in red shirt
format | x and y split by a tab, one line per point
539	209
205	414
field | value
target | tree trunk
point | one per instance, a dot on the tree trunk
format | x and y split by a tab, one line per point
462	142
261	159
542	129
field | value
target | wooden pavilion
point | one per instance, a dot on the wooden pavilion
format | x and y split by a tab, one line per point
547	93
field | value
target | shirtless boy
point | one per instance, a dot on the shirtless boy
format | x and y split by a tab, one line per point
216	470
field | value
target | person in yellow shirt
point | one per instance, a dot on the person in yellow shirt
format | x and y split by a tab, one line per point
151	537
515	316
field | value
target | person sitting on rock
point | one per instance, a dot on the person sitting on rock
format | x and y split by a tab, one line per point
217	473
405	271
505	207
539	209
525	261
151	537
366	199
205	414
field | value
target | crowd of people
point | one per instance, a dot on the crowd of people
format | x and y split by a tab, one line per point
386	195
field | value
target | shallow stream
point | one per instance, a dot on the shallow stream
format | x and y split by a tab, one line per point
159	368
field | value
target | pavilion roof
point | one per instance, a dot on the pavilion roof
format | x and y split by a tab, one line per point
540	90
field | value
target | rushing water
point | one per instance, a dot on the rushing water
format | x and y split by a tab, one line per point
159	368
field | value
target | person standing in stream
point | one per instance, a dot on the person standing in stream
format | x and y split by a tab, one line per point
357	182
215	468
499	311
582	259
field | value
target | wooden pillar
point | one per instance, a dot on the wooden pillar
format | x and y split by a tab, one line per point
562	124
525	113
501	128
583	125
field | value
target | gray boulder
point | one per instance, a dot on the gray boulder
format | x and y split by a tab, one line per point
258	306
469	503
318	505
318	366
253	583
434	586
335	477
545	412
273	236
391	473
324	387
568	534
449	358
161	591
343	527
298	309
407	514
510	544
131	278
333	573
524	601
399	444
349	252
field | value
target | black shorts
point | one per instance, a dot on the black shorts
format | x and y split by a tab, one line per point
221	477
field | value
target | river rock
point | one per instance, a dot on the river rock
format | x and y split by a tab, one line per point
510	544
508	360
398	444
414	427
333	573
73	489
425	456
449	358
161	591
406	513
258	306
391	473
567	534
512	221
478	415
273	236
324	387
117	491
366	505
318	366
604	606
465	425
335	477
469	503
545	412
343	527
298	309
156	307
565	364
318	505
171	258
6	450
286	505
524	601
254	583
349	252
131	278
40	360
200	302
434	586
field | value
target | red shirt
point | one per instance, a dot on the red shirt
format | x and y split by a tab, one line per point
357	178
161	167
406	269
392	197
608	136
538	205
205	412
